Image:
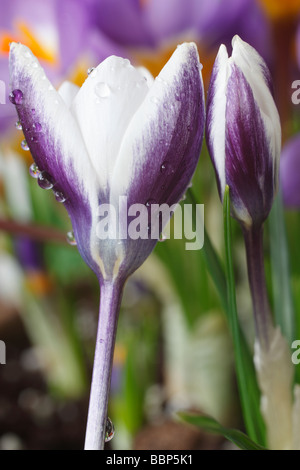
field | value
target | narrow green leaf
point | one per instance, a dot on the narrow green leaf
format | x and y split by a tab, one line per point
212	261
248	389
282	292
211	425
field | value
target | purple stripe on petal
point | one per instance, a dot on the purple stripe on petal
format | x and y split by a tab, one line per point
249	163
55	143
170	141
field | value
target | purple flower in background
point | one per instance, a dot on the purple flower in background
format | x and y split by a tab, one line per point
290	173
243	131
119	135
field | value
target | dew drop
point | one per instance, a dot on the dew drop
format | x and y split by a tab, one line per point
71	239
16	97
37	126
45	180
166	168
18	125
102	90
59	196
109	430
150	202
34	171
92	72
24	145
163	168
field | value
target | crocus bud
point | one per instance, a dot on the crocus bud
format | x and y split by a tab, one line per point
243	131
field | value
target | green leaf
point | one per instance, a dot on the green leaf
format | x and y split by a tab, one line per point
282	292
247	384
212	261
211	425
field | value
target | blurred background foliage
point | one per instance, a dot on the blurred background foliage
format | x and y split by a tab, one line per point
173	349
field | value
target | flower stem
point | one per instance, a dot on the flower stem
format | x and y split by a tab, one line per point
110	300
256	272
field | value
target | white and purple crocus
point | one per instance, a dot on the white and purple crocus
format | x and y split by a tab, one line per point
244	141
243	131
118	135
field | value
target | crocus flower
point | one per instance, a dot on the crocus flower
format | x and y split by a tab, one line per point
243	131
244	141
118	135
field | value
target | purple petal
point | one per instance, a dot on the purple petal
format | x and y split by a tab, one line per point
55	142
249	162
124	22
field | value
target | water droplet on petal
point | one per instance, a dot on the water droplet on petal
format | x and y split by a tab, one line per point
92	72
59	196
37	126
166	168
16	97
71	239
24	145
33	139
18	125
102	90
109	430
150	202
34	171
45	180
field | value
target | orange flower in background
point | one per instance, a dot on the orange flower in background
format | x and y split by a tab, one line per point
280	9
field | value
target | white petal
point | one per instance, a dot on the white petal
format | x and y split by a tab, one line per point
156	119
256	73
68	91
104	108
217	119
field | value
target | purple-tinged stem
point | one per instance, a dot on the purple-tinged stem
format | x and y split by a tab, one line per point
110	300
256	272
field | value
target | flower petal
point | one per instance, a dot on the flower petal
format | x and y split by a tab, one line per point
162	144
249	165
103	109
55	141
215	122
68	91
259	78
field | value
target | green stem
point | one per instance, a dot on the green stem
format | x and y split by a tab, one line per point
256	273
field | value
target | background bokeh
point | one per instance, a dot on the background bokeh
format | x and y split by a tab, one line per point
173	348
